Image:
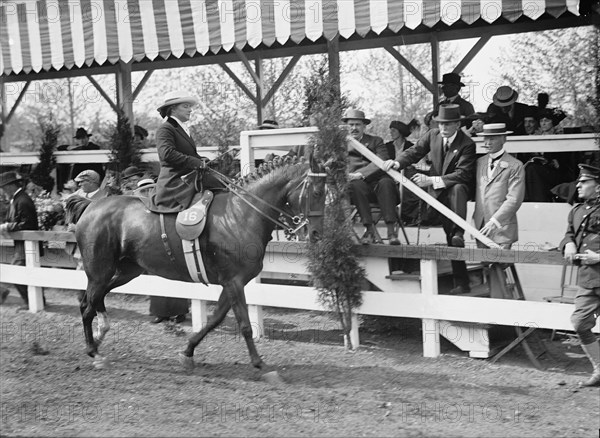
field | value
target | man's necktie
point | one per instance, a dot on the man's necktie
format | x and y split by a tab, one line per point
446	146
494	162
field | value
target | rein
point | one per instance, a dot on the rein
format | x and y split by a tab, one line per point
298	221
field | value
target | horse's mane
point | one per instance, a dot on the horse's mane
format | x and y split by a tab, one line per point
270	168
75	206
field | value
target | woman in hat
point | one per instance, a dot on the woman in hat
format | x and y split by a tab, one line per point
177	154
549	120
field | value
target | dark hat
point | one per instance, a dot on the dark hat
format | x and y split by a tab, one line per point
587	172
401	127
269	124
451	78
554	114
531	111
9	177
355	115
131	171
505	96
138	130
448	113
494	129
81	133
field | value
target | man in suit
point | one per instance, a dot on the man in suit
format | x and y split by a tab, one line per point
451	85
177	154
581	246
450	179
89	185
21	216
505	109
368	182
67	172
500	189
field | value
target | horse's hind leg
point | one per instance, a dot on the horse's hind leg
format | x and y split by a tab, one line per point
88	307
223	306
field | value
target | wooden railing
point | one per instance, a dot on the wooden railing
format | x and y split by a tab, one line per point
410	298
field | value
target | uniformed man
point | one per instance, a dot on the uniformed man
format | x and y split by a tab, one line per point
581	246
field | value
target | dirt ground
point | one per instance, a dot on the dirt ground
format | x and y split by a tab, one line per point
50	388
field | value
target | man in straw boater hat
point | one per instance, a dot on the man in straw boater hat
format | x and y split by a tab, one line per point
499	193
177	154
450	180
581	246
451	85
367	182
505	109
21	216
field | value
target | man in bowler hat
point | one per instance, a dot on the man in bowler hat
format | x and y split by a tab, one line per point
581	246
451	177
451	85
505	109
21	216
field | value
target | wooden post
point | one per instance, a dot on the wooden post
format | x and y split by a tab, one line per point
333	53
125	91
199	315
431	327
260	91
246	155
32	260
435	68
255	313
3	115
354	335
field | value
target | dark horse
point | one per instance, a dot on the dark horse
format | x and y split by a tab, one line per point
120	239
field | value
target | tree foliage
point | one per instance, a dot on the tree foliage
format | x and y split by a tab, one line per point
333	262
41	174
124	151
559	62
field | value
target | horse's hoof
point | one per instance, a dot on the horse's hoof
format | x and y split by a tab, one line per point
186	362
272	378
100	362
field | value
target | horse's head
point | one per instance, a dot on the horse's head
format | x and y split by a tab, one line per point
306	202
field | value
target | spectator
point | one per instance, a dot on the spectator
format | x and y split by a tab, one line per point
500	189
129	179
66	172
451	85
429	123
144	187
415	129
368	183
139	136
450	178
89	185
268	124
530	121
505	109
549	120
476	122
21	216
581	246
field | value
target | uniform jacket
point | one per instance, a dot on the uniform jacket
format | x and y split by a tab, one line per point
466	108
358	163
21	216
514	123
177	155
456	167
500	196
584	231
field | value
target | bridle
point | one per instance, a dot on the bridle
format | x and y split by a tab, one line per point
290	224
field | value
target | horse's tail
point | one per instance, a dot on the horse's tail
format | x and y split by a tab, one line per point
75	207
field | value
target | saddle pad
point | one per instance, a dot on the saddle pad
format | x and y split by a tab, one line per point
190	223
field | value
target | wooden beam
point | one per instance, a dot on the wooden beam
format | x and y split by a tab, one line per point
103	93
17	102
238	82
471	54
242	56
284	74
140	86
260	91
411	68
435	68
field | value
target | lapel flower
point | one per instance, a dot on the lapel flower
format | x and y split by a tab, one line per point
503	164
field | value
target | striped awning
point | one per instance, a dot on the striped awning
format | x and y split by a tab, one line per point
50	35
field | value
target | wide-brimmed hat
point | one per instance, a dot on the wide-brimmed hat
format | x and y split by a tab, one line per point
354	114
131	171
556	115
587	172
82	133
401	127
177	97
448	113
9	177
505	96
451	78
88	175
494	129
138	130
269	124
